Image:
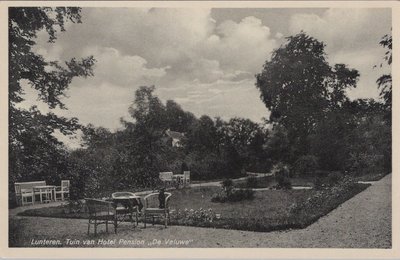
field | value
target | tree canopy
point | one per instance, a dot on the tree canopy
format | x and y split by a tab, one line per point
385	81
299	87
32	145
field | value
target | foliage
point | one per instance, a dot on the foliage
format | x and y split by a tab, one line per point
333	178
282	176
227	183
297	84
256	182
306	165
192	216
251	182
277	146
75	206
324	201
229	193
34	152
385	81
234	195
248	139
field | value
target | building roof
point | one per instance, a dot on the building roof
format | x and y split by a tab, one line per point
174	135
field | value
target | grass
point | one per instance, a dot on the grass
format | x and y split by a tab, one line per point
269	210
372	177
269	181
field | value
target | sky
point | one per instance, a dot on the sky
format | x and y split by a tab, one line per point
204	59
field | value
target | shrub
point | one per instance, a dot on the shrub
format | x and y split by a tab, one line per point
280	169
227	183
241	194
193	217
251	182
333	178
284	183
282	176
232	195
306	165
219	197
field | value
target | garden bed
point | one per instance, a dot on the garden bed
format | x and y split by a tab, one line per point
269	210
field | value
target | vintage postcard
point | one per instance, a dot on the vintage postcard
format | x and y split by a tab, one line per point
199	129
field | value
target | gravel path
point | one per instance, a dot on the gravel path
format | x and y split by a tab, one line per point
361	222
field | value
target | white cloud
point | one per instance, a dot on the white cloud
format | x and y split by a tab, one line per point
206	66
240	46
101	105
121	70
344	28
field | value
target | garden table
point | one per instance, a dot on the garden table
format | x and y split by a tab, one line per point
47	190
126	205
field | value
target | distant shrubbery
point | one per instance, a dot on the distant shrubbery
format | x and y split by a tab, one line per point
306	165
282	176
252	182
229	194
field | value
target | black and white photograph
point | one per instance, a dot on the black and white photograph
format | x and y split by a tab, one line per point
212	126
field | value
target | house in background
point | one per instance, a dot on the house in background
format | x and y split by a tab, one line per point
176	137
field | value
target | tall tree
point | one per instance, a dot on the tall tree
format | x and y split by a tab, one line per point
143	140
30	131
385	81
298	86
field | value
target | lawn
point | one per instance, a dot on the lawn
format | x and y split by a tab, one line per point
371	177
269	181
269	210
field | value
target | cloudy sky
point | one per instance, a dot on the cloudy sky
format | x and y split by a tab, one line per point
204	59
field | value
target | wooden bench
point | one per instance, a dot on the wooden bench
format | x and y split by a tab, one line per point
24	191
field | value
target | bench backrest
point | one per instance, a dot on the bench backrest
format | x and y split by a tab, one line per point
27	185
65	185
166	176
186	175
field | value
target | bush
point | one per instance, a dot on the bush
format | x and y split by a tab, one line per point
334	178
282	176
284	184
193	217
306	165
231	195
251	182
227	183
241	194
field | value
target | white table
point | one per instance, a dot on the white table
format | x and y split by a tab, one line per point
47	190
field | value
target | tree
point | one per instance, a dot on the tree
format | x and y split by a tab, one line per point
30	131
385	81
248	139
298	86
143	141
178	119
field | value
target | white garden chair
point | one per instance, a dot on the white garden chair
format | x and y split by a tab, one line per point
63	190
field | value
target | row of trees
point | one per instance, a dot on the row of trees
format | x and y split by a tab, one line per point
312	125
133	156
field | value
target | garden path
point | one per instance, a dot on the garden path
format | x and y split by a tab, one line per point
364	221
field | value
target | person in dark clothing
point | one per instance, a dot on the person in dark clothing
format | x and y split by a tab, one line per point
161	198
